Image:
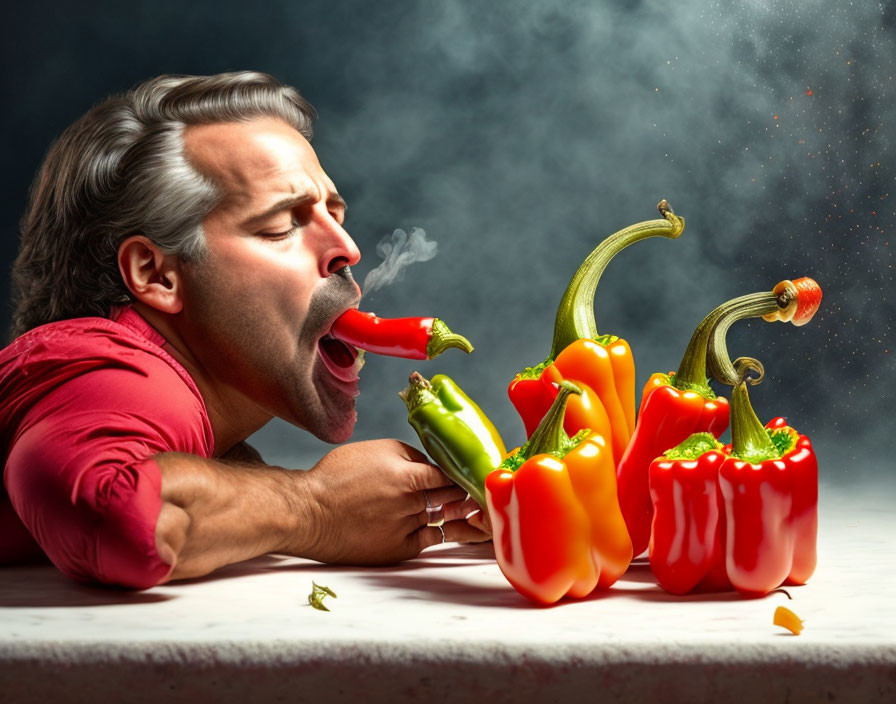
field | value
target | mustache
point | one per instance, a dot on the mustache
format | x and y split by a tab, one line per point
338	293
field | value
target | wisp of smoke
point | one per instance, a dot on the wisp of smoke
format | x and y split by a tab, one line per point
398	251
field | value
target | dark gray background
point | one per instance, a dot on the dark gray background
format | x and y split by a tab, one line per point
520	134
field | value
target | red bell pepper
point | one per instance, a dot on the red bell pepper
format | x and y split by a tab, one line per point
754	526
770	488
744	515
602	363
675	405
555	517
412	338
687	540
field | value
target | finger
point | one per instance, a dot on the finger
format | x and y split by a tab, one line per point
426	536
412	454
446	495
462	532
429	499
479	519
453	532
437	515
423	476
419	520
457	510
428	517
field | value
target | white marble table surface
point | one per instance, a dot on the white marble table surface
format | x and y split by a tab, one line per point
447	627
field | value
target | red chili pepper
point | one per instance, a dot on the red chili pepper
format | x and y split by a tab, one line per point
412	338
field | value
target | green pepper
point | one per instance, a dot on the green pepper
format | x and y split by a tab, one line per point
455	432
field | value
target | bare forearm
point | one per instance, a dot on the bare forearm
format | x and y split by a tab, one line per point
362	503
215	513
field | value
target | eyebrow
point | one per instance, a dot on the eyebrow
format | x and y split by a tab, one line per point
333	199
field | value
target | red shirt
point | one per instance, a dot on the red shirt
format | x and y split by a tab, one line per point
84	406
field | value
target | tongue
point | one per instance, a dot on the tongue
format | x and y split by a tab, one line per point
339	353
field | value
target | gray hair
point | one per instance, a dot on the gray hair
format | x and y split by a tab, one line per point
121	170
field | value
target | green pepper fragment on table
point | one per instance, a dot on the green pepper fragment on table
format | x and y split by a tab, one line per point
316	597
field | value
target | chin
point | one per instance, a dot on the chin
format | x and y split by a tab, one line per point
331	422
332	415
339	431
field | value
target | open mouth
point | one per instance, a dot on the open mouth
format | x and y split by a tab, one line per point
342	361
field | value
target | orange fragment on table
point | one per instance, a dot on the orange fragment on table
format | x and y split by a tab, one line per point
785	618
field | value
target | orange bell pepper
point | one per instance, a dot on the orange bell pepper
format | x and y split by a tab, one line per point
579	353
556	523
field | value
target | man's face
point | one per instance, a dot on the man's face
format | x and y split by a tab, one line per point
258	308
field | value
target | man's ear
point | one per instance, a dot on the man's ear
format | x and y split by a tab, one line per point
151	276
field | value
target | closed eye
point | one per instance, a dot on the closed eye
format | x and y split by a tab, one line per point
282	235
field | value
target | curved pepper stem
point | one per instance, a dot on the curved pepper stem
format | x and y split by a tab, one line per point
575	315
754	305
691	374
443	339
790	301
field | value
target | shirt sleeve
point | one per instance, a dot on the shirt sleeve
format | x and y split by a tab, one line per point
81	473
17	546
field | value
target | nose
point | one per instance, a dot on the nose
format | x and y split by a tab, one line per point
340	250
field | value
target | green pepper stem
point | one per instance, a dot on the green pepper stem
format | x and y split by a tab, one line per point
718	363
418	392
575	315
749	439
441	339
691	374
550	436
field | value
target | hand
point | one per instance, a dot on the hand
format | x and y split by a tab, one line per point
367	505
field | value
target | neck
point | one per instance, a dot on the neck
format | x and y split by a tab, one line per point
233	417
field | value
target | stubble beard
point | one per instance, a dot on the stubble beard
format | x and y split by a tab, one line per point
298	390
333	421
332	416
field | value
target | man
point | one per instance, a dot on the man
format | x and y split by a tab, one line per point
182	261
